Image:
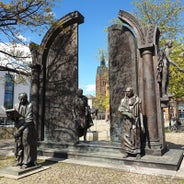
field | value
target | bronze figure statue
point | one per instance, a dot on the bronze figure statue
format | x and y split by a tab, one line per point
25	133
163	67
130	108
82	114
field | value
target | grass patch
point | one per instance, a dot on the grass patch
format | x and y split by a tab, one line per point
6	132
167	130
6	160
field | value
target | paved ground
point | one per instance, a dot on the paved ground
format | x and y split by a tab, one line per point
72	171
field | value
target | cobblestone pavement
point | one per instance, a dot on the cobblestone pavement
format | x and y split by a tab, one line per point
62	173
70	173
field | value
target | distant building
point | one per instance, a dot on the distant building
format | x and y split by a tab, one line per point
102	86
101	78
181	111
90	100
175	110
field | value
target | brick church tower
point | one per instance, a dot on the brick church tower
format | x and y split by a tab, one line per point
101	78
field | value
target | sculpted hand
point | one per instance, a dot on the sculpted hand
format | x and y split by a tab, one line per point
17	133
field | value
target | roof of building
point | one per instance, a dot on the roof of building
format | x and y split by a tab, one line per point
90	96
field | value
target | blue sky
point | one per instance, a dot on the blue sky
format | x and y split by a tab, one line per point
97	15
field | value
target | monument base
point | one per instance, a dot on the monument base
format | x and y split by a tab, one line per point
108	152
17	173
155	149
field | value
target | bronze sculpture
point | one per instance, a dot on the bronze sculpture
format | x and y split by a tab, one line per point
163	67
25	133
82	114
130	108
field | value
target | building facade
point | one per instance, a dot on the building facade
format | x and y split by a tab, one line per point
102	86
10	90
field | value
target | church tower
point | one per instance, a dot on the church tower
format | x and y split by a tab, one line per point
101	78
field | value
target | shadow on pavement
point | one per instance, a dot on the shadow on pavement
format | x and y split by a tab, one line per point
175	146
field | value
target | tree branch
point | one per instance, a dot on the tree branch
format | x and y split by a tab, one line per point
14	56
5	68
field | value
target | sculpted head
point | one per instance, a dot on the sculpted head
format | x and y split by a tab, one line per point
22	98
79	92
129	92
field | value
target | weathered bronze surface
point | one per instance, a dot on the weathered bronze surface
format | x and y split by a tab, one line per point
132	121
55	82
82	114
133	62
25	150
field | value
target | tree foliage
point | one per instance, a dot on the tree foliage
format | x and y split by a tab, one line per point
19	18
168	16
101	103
176	82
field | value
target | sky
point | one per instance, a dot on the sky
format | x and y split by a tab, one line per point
97	16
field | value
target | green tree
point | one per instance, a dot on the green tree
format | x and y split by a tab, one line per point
18	17
176	82
101	103
168	16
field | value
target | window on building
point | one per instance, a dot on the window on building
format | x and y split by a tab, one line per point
181	114
9	91
181	111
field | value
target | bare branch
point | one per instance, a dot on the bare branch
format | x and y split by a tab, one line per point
15	56
5	68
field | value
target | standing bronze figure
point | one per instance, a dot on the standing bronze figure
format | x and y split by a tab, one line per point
25	133
163	67
130	108
82	114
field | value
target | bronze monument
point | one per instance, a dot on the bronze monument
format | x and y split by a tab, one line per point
25	133
82	114
163	68
130	108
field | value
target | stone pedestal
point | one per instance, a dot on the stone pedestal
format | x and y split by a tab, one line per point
17	172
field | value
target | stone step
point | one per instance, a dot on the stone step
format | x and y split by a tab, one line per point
107	152
84	147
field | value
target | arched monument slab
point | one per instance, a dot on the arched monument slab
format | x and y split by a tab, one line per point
55	72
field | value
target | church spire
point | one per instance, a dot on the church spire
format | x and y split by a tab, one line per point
102	61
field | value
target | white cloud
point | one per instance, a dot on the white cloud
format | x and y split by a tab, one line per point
90	88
